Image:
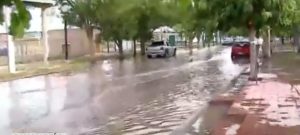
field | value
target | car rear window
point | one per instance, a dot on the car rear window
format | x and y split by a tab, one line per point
157	43
242	44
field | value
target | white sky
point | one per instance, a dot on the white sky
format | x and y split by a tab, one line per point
53	21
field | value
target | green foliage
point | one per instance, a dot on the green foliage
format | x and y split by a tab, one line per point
149	15
193	17
81	13
252	13
20	17
237	32
113	21
136	19
294	13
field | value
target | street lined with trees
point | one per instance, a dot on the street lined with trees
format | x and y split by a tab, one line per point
157	96
135	20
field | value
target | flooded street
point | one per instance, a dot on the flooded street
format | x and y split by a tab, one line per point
131	97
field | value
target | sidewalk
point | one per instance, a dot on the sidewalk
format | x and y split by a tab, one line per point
270	107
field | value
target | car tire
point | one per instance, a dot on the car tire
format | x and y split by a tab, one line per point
233	56
166	54
271	51
175	51
149	56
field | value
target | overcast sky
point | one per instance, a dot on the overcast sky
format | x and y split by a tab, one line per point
54	22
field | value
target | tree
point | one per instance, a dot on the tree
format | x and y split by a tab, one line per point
82	14
296	27
253	15
193	19
234	31
266	46
149	15
143	30
19	18
19	21
133	19
113	21
187	21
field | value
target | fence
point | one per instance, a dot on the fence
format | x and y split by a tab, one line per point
30	49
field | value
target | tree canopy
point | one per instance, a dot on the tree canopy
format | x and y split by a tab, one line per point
136	19
20	16
252	13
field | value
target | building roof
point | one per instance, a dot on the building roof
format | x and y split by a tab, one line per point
39	3
164	29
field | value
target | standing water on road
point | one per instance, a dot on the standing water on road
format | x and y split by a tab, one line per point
134	96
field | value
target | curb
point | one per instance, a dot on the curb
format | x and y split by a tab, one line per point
187	124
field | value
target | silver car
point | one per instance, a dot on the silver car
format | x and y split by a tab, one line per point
160	48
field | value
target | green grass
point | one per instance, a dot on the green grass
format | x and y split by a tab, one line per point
54	66
287	60
35	69
289	63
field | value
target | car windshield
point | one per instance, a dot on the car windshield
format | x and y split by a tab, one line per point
160	43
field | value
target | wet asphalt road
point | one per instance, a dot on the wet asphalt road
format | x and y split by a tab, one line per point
134	96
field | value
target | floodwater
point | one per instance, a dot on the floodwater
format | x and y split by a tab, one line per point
131	97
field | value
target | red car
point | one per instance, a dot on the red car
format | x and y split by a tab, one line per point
240	49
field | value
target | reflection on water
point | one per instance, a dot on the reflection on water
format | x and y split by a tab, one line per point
5	106
138	95
25	100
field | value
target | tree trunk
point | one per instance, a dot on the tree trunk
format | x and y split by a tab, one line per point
115	47
90	34
213	41
220	39
264	45
143	47
253	55
297	39
203	40
134	47
282	40
208	41
190	46
198	40
120	46
107	44
267	44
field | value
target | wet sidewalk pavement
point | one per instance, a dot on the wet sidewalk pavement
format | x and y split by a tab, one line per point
268	107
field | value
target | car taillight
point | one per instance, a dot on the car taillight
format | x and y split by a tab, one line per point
162	48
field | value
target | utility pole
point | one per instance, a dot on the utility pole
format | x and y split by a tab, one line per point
45	35
65	8
66	39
